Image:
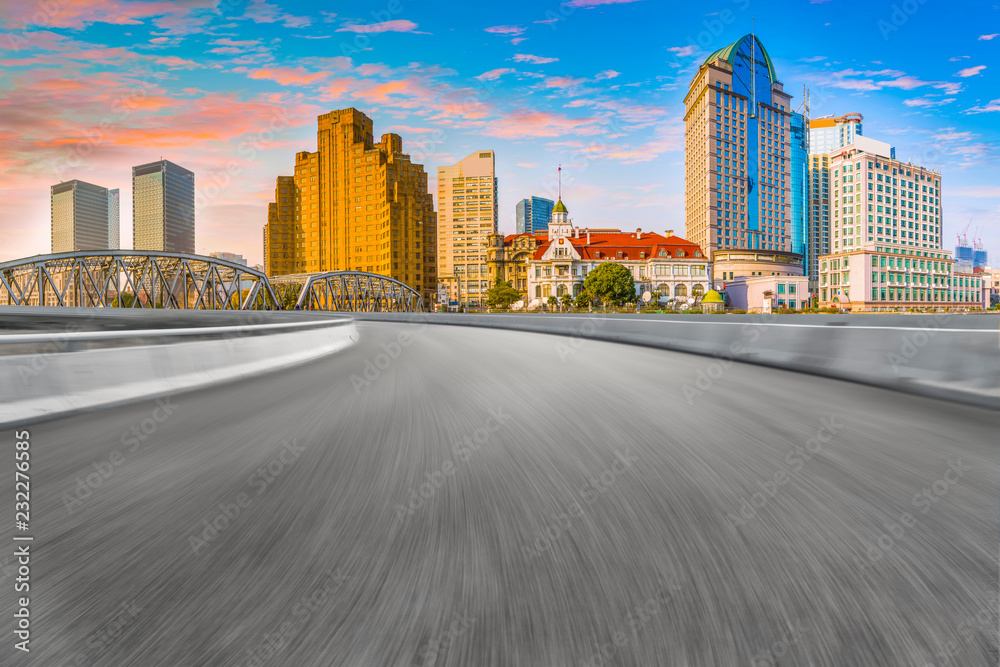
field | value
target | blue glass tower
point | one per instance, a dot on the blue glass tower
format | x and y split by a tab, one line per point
800	187
533	214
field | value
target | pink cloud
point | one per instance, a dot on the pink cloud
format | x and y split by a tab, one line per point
288	76
524	123
970	71
535	60
173	62
262	11
495	74
506	29
597	3
398	25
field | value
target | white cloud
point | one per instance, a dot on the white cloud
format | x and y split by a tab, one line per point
988	37
684	51
993	105
536	60
606	74
970	71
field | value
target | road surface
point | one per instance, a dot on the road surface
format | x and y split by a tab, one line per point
478	497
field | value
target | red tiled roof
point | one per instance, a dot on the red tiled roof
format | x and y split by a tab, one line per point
609	243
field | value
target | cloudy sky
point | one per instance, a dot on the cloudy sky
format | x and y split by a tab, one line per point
231	89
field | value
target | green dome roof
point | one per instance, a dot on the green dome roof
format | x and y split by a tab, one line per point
711	296
728	53
560	207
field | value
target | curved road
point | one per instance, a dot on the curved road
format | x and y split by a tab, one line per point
503	498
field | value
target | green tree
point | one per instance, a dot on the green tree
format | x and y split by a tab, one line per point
611	283
553	302
502	294
566	300
583	299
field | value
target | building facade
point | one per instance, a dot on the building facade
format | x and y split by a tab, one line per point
162	207
671	267
533	215
467	216
507	258
81	217
768	293
738	153
884	278
828	133
354	205
114	219
886	248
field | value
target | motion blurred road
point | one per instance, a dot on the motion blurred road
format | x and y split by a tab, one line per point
500	498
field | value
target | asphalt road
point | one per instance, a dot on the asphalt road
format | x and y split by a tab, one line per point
502	498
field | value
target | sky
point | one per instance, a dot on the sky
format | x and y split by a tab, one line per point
231	90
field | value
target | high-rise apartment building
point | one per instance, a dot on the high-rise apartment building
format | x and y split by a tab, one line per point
533	215
354	205
81	219
826	135
886	248
738	153
162	207
114	219
467	210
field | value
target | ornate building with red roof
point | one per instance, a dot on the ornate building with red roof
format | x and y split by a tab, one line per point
556	262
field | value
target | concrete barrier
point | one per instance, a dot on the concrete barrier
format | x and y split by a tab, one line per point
948	356
102	358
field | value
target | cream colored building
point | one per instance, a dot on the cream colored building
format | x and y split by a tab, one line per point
673	267
467	216
354	205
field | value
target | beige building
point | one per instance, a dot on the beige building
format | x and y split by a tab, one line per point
467	216
354	205
738	147
163	207
668	266
84	217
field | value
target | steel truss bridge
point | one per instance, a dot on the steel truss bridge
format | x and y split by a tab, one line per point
157	279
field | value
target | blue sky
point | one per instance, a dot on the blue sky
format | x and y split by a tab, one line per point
232	89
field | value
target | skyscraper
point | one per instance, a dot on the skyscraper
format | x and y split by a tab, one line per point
467	209
826	135
354	205
114	219
81	219
162	207
533	214
738	153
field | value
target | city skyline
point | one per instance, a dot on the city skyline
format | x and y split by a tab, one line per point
520	80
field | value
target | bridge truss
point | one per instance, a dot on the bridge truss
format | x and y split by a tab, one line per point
156	279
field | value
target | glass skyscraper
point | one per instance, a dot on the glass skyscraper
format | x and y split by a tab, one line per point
533	214
800	187
162	207
82	217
